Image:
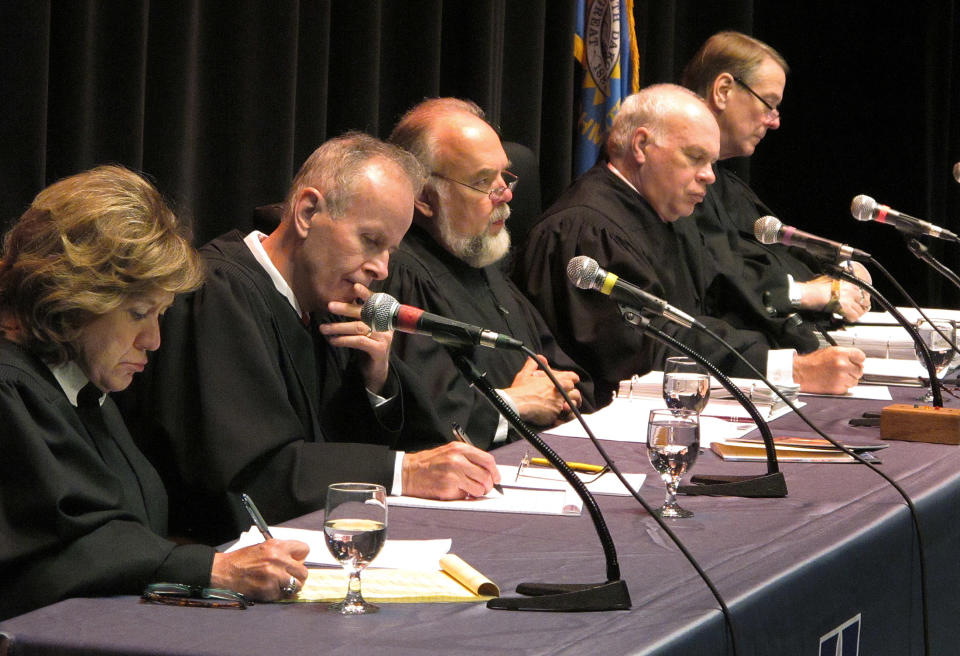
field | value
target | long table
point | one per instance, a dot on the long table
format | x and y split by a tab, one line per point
839	550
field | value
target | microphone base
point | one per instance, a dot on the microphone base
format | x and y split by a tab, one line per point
716	485
902	421
567	597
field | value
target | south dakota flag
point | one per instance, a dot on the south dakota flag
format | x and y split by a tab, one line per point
606	47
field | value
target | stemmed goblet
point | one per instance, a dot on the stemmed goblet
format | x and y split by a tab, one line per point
673	442
355	529
935	335
686	384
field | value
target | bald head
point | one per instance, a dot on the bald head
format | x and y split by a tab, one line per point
466	161
664	140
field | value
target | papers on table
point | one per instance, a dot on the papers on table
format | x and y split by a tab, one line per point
625	419
889	340
405	571
513	500
549	478
407	554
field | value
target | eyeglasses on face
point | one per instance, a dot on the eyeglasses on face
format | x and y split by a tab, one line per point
179	594
497	193
772	112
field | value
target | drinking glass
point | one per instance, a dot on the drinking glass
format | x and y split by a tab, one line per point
686	384
355	529
932	333
673	442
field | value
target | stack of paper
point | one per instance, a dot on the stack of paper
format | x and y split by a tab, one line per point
405	571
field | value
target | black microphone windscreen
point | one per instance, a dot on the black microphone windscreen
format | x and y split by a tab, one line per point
766	229
378	312
863	208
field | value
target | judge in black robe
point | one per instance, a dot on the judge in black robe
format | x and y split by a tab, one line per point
427	276
244	397
602	217
726	220
85	274
74	524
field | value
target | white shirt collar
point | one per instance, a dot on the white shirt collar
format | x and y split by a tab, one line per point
620	175
71	379
260	255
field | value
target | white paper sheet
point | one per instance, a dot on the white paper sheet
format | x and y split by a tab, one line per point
549	478
625	420
513	500
422	555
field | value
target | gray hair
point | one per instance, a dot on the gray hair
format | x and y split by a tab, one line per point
335	168
647	108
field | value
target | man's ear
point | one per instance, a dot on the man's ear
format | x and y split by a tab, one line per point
641	138
309	202
424	203
719	93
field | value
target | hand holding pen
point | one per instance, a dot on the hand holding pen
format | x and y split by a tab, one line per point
460	435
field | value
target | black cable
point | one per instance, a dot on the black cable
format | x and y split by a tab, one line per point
636	495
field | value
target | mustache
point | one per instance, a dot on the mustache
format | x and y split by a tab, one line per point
500	213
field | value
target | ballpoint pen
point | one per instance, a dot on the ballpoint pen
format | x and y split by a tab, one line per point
460	435
255	516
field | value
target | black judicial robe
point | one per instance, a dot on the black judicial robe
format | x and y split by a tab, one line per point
69	524
243	397
725	219
599	215
425	275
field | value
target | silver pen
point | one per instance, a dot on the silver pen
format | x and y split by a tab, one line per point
255	516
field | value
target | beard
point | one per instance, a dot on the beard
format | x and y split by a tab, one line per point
479	250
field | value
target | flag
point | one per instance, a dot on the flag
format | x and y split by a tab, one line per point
606	47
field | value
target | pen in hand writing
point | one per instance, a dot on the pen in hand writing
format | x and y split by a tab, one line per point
460	435
255	516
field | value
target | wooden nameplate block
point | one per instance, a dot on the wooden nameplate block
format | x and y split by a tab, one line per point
901	421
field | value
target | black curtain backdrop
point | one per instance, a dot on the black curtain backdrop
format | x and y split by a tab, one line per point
220	102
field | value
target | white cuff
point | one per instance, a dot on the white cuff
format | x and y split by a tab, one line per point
780	366
397	488
503	426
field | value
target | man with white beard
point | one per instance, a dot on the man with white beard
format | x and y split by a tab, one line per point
447	265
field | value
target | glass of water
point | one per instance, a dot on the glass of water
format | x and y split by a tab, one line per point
355	530
937	335
686	384
673	442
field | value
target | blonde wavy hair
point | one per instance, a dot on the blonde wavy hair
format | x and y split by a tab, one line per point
86	245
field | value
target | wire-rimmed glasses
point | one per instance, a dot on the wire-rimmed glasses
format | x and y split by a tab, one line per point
497	193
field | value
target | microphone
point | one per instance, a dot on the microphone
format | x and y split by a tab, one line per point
585	273
383	312
769	230
864	208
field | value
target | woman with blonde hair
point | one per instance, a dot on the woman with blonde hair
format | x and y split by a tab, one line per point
85	274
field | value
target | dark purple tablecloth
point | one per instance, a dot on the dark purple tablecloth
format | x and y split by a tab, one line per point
840	546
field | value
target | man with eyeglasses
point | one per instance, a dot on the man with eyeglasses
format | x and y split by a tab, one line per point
447	264
742	80
628	213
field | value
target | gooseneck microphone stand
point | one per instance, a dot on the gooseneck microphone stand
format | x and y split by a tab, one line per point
610	595
771	484
923	253
840	272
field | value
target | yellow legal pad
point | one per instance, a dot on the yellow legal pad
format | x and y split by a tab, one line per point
456	581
